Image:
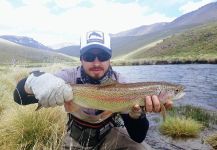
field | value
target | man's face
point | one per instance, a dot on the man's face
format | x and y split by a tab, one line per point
96	68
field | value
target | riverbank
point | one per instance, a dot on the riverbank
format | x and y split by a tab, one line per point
162	62
161	142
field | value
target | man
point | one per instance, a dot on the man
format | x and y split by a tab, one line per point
89	128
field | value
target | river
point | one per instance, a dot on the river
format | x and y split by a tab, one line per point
200	80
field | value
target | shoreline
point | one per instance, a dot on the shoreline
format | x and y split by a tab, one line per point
162	62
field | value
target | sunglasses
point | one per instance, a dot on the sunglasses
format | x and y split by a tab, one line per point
90	57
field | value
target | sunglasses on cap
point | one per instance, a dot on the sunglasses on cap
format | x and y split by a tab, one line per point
90	57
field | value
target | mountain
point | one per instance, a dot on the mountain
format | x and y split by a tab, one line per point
131	40
202	15
11	52
145	29
195	44
73	50
25	41
60	45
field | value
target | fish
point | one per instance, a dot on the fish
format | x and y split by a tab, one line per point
121	97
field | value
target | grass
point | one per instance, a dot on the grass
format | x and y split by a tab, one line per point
17	54
196	113
21	127
180	127
197	45
24	128
187	121
212	140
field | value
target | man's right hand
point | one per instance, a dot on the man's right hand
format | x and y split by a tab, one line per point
48	89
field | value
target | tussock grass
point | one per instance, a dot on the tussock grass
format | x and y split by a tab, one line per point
24	128
187	121
207	118
21	127
212	140
180	127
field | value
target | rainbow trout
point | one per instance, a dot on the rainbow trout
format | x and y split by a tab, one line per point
121	97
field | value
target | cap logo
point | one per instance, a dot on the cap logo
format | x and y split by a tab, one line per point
95	37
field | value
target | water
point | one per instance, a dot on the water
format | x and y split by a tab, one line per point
200	80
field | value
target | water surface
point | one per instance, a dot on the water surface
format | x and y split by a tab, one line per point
200	80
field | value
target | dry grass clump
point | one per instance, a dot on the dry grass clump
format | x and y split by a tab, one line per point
212	140
180	127
24	128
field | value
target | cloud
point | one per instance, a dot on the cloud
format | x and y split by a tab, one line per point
191	6
39	21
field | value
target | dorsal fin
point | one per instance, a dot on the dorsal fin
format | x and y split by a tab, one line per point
108	82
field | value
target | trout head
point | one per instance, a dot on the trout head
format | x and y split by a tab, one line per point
171	92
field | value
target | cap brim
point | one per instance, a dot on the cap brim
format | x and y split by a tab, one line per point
95	46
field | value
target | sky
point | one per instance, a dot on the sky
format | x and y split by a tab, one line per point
52	22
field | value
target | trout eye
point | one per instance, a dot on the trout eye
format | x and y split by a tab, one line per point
177	90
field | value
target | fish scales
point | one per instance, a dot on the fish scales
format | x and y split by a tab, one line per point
117	97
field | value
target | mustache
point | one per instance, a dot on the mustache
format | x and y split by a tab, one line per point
96	68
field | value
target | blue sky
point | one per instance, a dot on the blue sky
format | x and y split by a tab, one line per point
63	21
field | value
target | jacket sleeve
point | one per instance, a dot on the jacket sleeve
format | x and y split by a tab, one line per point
136	128
20	95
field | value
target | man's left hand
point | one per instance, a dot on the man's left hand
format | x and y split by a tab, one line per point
152	104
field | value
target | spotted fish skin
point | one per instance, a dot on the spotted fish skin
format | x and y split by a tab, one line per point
119	97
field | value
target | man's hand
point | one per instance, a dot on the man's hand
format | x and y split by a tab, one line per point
48	89
152	104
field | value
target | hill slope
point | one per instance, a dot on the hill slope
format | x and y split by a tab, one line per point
14	53
194	44
25	41
125	42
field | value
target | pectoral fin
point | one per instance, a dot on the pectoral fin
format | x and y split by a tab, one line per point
163	111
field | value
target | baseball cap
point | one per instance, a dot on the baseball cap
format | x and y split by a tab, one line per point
95	40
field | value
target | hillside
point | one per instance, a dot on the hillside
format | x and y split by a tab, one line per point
14	53
73	50
130	40
25	41
199	43
204	14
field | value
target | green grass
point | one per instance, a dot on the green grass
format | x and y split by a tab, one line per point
187	121
180	127
11	53
194	45
196	113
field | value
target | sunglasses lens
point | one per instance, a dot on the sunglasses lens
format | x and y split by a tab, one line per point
89	57
103	56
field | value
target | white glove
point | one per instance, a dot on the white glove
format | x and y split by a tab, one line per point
48	89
